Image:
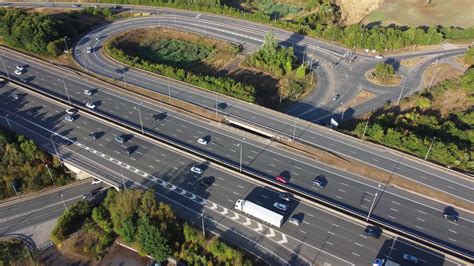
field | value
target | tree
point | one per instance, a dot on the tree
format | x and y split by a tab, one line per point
101	217
301	71
384	71
151	241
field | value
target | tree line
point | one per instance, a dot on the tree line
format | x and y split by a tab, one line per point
139	220
45	34
224	85
451	136
326	25
25	168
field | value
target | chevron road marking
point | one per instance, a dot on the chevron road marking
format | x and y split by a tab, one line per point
235	217
271	234
283	240
224	212
259	228
247	222
214	206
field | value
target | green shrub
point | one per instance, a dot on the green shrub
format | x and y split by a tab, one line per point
70	221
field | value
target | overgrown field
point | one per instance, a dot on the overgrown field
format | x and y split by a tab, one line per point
413	13
211	64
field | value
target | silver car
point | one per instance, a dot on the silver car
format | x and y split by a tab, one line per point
69	118
280	206
295	221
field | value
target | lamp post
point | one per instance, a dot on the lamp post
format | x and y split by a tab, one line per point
65	43
55	149
429	149
50	175
6	71
240	162
140	116
202	222
373	202
8	122
67	93
62	198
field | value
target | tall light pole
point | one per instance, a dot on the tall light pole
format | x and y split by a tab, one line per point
62	198
85	64
123	179
202	222
429	149
140	116
6	71
294	130
124	79
14	188
65	88
50	175
240	162
8	122
65	43
55	149
373	202
216	106
169	91
365	129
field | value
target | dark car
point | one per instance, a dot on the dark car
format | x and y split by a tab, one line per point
373	231
285	196
319	181
160	116
451	216
221	106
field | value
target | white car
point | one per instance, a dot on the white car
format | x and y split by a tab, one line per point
16	97
411	258
88	49
21	68
295	221
71	111
18	72
280	206
379	56
196	170
202	141
69	118
90	105
88	92
96	181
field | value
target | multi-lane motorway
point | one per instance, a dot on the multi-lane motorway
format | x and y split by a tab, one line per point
322	237
395	207
262	157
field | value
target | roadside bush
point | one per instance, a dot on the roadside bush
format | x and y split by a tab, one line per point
469	56
12	250
384	71
23	167
70	221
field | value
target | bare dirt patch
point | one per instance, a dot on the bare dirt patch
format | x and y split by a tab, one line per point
362	96
421	13
119	255
354	11
436	73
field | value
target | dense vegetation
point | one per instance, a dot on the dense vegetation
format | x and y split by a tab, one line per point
384	72
45	34
23	167
222	85
325	24
142	222
12	250
469	56
171	52
280	62
442	116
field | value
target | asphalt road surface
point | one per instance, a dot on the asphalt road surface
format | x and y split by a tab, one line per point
263	158
322	237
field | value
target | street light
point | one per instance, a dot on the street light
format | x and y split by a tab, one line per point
55	149
373	202
8	122
202	222
65	88
240	145
65	43
50	175
140	116
6	71
429	149
65	206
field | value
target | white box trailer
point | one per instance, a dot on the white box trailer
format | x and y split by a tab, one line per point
259	212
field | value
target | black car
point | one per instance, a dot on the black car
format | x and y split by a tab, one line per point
373	231
285	196
451	216
159	117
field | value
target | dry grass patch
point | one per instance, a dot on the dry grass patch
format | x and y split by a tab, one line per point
410	62
362	96
436	73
